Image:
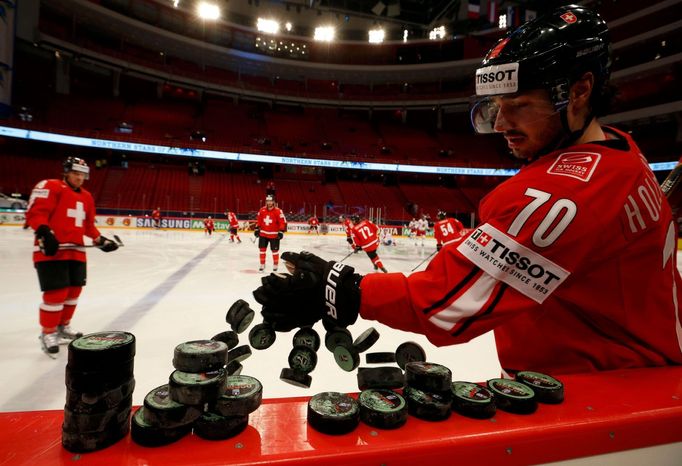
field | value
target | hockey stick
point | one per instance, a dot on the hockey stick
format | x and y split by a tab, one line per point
347	256
420	264
671	188
77	246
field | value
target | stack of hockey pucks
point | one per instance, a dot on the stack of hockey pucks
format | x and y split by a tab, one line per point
521	396
302	358
428	390
239	316
99	389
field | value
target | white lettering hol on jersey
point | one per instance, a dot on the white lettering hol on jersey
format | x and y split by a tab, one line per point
511	262
267	220
78	214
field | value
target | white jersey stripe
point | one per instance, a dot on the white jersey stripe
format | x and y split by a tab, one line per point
52	307
71	302
468	304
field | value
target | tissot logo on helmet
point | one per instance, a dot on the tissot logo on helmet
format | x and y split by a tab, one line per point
498	79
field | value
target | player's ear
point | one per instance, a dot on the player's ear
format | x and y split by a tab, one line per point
581	90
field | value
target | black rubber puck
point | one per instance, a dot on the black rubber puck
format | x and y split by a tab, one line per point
148	435
242	319
97	402
547	389
239	354
213	426
200	356
379	358
333	413
347	357
83	442
337	337
236	307
380	377
240	396
104	379
366	340
307	336
160	410
513	397
234	368
262	336
382	408
230	338
409	352
427	406
472	400
196	389
97	422
302	359
428	377
296	378
95	351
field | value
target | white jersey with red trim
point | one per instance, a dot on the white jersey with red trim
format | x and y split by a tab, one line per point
271	222
421	226
574	266
69	213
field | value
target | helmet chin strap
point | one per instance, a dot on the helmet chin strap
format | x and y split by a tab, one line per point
566	138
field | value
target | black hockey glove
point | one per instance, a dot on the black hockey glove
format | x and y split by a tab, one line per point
46	240
350	240
357	249
106	245
256	232
439	247
316	290
280	235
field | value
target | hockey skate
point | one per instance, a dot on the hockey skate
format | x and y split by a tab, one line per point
274	269
49	343
261	268
66	334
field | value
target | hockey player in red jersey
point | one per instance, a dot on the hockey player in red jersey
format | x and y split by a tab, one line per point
61	212
313	223
156	217
573	263
446	230
270	228
209	226
347	226
234	225
365	235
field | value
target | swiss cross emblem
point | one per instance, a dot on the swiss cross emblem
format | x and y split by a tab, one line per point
483	239
569	17
267	220
498	49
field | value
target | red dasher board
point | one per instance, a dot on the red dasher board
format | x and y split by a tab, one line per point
602	413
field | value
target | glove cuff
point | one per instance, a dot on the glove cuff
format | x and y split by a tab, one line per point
341	294
43	230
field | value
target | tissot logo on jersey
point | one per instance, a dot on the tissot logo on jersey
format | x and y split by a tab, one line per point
509	261
498	79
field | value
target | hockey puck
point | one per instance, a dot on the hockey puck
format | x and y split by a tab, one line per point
148	435
513	397
97	402
296	378
230	338
213	426
366	340
99	380
236	307
160	410
409	352
241	395
303	359
380	377
306	336
239	353
547	389
262	336
94	351
200	356
379	358
333	413
195	389
427	406
97	422
240	316
234	368
428	377
382	408
84	442
472	400
347	357
337	337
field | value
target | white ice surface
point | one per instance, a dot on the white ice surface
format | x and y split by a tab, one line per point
167	287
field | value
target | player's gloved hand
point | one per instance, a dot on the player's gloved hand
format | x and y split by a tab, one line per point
105	244
256	232
350	240
300	299
47	241
357	249
280	235
439	247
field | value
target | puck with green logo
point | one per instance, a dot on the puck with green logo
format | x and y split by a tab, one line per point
333	413
472	400
427	406
200	356
428	376
336	337
513	397
195	389
95	351
148	435
161	410
303	359
262	336
213	426
409	352
307	336
382	408
547	389
347	357
240	396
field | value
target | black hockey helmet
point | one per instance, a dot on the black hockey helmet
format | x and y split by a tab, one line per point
76	165
355	218
441	215
550	52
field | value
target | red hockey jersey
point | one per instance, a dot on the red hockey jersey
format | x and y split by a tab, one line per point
348	225
69	214
366	235
313	221
574	266
271	222
208	224
447	230
232	219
